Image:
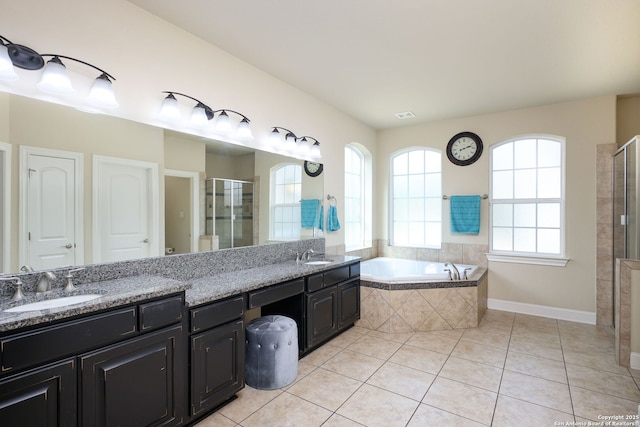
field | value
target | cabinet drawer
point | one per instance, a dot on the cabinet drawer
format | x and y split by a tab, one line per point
161	313
217	313
315	282
336	275
69	338
275	293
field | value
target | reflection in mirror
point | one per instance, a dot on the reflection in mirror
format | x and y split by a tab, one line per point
184	162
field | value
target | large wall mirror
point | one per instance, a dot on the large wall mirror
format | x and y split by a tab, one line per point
81	188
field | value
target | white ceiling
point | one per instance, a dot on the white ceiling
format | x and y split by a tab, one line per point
436	58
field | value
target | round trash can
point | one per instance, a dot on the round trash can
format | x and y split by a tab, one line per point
271	352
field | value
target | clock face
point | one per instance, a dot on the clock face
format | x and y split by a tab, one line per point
464	148
313	168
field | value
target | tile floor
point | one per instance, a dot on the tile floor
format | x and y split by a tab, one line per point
512	370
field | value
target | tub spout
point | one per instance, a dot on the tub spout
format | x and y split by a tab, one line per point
456	272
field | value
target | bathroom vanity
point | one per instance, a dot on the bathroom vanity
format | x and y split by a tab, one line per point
158	351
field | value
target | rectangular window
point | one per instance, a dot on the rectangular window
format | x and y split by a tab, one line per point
527	198
416	207
286	192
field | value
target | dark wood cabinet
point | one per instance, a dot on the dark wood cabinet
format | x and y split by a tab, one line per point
348	303
217	366
40	397
332	303
216	354
136	383
121	367
322	315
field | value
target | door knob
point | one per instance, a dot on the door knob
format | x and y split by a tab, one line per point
68	246
145	241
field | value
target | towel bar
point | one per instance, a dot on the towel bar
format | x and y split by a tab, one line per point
484	196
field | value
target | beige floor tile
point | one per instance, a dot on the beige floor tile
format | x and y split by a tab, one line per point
472	373
375	347
484	337
433	341
354	365
453	334
536	366
589	404
321	355
514	412
480	353
400	337
604	382
496	326
304	369
372	406
537	346
216	420
340	421
429	416
461	399
287	410
602	361
502	316
635	373
325	388
249	400
419	358
536	390
346	338
596	343
402	380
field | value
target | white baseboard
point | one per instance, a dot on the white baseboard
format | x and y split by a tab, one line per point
543	311
634	363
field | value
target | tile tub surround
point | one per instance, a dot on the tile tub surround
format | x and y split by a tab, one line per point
181	267
423	307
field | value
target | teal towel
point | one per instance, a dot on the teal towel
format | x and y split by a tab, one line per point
332	219
321	218
465	214
310	213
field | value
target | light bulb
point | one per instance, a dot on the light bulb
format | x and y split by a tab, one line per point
244	130
55	79
199	116
169	110
223	124
101	94
7	72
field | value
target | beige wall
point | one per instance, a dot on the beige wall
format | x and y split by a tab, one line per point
177	231
230	167
584	124
627	118
183	154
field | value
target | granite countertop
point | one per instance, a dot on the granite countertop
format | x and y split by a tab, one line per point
114	293
211	288
132	289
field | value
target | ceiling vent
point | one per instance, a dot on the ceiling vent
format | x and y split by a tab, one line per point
405	115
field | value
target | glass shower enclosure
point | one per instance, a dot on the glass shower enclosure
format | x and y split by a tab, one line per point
626	223
230	212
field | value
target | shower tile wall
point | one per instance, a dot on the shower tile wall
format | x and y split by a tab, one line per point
604	254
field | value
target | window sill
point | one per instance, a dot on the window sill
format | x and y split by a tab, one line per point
520	259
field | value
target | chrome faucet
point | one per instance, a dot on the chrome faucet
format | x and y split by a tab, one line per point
456	272
305	256
44	282
26	269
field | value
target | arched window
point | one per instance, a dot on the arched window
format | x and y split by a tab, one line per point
416	198
286	191
357	194
527	197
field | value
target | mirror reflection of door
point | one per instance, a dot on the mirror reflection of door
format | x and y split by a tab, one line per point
125	209
51	193
177	215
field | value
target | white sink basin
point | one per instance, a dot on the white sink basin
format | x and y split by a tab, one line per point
53	303
317	262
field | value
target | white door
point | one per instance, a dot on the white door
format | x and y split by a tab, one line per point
124	211
51	211
5	203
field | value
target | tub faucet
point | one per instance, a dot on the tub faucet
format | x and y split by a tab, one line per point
456	272
44	282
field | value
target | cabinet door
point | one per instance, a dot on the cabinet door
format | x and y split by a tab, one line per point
40	397
217	366
136	383
322	315
348	303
